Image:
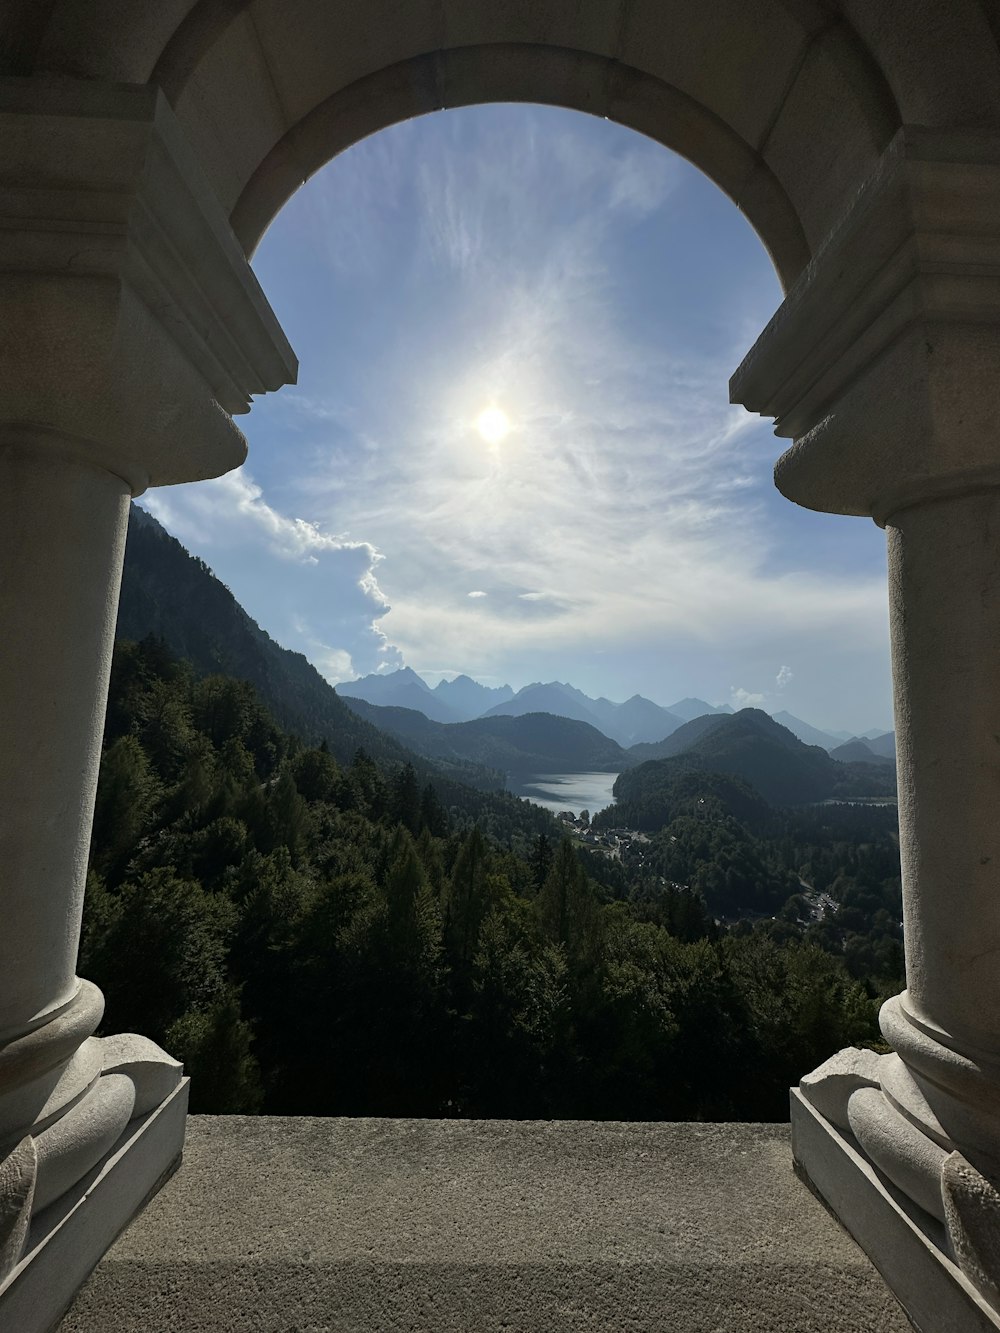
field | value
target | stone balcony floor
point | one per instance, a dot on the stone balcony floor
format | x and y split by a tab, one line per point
301	1225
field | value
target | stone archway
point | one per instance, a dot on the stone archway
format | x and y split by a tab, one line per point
145	150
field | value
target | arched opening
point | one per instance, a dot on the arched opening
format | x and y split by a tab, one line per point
594	289
863	149
599	290
747	97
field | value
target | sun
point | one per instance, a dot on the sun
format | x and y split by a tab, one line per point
493	424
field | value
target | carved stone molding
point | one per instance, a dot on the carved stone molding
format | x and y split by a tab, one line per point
132	320
882	361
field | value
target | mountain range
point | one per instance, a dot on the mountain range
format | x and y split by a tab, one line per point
463	699
637	721
169	594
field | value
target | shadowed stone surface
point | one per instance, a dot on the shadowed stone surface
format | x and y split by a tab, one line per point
307	1226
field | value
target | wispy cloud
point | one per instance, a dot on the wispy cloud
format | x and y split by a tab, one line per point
573	275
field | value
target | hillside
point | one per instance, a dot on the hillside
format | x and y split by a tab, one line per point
883	745
808	734
327	939
860	752
168	593
655	794
533	743
751	746
680	740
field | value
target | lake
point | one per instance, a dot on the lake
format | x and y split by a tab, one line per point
567	791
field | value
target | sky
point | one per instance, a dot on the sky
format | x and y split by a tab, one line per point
592	293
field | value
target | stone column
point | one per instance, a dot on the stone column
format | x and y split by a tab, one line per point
883	365
132	330
944	589
63	527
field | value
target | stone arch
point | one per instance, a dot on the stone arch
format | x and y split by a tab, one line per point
144	149
783	107
469	75
786	104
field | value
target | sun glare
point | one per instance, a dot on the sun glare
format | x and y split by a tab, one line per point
493	424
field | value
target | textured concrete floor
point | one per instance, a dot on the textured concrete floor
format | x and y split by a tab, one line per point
309	1226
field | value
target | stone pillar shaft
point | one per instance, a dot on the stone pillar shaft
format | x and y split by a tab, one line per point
133	329
944	589
62	530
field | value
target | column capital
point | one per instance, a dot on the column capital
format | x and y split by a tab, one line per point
883	362
131	315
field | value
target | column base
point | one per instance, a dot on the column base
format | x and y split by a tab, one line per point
68	1238
907	1246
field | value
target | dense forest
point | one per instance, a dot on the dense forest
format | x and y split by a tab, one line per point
314	934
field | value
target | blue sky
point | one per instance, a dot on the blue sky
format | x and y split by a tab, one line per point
625	535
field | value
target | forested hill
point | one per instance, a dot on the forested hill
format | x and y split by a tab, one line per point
168	593
528	744
327	939
680	740
750	745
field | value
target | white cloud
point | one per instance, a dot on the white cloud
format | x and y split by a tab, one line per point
785	674
333	663
311	590
476	592
740	698
232	508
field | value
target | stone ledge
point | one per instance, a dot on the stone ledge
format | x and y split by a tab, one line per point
318	1225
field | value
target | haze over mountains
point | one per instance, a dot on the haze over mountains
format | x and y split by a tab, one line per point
543	728
517	747
636	722
748	745
457	700
628	723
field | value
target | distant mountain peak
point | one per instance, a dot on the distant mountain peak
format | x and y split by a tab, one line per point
688	709
805	731
460	679
468	698
401	689
404	673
